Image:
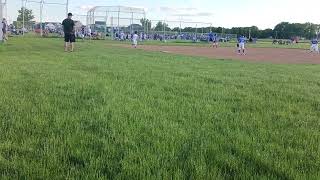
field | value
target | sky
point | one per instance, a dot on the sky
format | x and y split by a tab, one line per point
224	13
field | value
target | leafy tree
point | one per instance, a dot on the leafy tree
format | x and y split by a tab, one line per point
267	33
254	31
28	18
218	30
189	29
28	15
146	23
176	29
161	26
311	30
287	30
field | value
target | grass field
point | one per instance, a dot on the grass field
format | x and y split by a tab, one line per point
105	112
259	44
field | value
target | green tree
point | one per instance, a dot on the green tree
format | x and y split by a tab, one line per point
267	33
281	30
310	30
189	29
176	29
287	30
146	23
254	30
28	18
161	26
28	15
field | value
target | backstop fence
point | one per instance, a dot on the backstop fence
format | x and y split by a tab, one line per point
110	22
163	30
47	13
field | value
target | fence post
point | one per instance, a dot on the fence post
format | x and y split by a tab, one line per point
118	20
164	31
196	38
67	7
132	28
41	9
106	27
112	30
23	11
145	29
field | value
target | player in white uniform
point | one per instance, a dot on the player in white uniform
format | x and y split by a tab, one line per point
121	36
314	45
89	32
135	38
145	37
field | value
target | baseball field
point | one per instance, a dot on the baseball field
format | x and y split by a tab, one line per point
108	111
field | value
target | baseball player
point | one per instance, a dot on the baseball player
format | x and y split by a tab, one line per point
213	40
135	38
241	48
314	45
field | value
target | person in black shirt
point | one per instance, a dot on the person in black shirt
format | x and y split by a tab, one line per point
69	35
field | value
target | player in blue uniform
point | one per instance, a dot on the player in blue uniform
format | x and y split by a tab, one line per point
213	39
241	45
210	38
314	45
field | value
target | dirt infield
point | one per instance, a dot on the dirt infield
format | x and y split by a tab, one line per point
266	55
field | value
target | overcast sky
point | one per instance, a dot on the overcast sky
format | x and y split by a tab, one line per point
226	13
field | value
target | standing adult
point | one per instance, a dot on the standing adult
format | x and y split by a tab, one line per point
69	33
4	29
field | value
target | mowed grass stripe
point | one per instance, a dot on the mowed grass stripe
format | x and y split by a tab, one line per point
115	113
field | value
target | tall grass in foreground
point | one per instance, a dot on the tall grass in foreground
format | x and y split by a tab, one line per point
112	113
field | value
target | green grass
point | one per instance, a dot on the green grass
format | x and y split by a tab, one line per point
259	44
109	113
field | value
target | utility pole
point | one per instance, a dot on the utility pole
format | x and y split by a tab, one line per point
41	9
23	11
67	7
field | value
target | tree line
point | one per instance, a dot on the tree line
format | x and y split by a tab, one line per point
283	30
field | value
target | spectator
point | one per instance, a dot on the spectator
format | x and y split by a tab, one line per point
4	29
69	34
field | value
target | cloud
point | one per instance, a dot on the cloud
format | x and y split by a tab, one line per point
199	14
183	15
177	10
86	7
204	14
168	9
189	9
